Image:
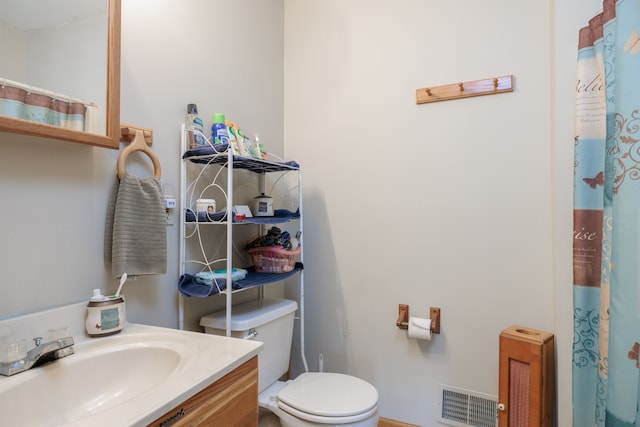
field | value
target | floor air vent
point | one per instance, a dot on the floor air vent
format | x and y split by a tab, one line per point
461	407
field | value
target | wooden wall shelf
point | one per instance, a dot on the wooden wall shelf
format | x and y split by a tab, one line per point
465	89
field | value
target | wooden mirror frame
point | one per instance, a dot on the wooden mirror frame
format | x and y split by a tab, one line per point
112	137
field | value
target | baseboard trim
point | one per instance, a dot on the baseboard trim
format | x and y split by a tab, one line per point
385	422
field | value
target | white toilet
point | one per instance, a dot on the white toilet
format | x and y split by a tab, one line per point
318	399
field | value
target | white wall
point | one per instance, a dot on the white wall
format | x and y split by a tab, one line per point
83	72
13	50
52	223
444	204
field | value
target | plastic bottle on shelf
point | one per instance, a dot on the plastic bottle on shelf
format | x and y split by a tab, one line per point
248	145
241	144
233	138
255	147
194	127
260	151
219	133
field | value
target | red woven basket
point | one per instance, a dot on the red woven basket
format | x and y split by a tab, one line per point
273	259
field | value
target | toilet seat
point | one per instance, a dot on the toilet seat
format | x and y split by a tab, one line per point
328	398
326	420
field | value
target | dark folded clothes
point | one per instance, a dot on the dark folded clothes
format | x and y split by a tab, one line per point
190	216
188	286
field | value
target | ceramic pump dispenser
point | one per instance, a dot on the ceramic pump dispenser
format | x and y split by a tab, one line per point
105	315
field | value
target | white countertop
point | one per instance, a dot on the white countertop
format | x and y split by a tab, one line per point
216	356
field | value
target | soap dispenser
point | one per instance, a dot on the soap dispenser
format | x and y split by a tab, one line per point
105	315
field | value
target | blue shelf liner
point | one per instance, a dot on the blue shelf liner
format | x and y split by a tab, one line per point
188	286
279	216
213	155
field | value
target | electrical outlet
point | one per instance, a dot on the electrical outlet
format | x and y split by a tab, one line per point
169	213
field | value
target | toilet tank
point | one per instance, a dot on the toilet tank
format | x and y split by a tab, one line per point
272	320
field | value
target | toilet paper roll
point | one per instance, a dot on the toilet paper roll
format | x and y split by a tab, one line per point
419	328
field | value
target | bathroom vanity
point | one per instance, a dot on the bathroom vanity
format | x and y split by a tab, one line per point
230	401
142	376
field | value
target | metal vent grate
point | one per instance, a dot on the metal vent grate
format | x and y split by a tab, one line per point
461	407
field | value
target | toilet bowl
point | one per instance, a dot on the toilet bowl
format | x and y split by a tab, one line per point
320	399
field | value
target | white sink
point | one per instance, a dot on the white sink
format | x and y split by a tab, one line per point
128	379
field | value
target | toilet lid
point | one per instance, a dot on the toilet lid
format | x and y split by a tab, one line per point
329	395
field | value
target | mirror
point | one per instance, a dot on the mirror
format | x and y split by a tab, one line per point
77	68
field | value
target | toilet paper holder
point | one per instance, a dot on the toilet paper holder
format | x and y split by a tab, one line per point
403	318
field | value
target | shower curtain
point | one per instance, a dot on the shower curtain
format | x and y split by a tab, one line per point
606	248
33	104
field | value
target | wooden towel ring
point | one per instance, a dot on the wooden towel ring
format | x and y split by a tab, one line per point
137	144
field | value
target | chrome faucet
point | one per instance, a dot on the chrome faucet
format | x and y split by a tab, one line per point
40	354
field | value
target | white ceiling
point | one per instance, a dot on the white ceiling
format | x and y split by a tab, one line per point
28	15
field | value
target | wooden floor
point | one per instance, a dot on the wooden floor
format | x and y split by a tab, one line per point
385	422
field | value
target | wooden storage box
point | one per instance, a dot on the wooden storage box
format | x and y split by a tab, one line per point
526	381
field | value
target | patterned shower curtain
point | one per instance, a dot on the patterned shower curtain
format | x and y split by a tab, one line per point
606	249
18	101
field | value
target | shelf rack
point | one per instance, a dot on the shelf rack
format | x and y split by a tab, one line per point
222	156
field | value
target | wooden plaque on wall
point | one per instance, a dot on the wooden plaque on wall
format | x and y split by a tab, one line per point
526	380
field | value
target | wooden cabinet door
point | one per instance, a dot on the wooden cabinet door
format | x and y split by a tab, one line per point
526	381
232	401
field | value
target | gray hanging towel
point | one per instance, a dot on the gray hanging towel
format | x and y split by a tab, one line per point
135	236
